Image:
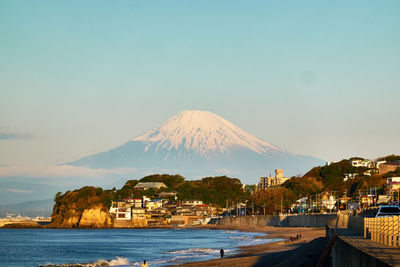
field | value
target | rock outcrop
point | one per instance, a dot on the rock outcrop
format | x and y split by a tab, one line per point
95	217
82	208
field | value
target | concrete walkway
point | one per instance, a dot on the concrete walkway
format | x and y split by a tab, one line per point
384	254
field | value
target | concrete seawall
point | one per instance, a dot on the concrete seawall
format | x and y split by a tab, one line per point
353	223
310	220
345	253
351	249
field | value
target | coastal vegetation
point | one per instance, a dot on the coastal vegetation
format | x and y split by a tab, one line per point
328	178
210	190
69	209
272	200
219	191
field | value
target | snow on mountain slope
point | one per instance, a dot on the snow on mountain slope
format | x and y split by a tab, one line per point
202	132
197	144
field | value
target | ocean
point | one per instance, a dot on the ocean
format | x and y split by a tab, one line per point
118	247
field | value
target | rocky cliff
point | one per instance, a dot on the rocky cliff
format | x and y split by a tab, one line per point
82	208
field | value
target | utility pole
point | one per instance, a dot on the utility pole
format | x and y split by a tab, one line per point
264	208
281	205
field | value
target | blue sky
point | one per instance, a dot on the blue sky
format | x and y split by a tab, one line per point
319	78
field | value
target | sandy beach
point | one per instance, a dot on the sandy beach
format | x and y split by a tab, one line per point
302	252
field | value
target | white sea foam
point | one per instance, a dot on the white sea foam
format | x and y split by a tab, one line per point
118	261
195	251
239	237
229	232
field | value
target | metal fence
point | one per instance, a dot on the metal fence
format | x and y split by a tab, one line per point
384	230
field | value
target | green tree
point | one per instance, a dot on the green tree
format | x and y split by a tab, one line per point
57	197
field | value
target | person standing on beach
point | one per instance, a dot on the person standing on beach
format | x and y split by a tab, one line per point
144	264
221	251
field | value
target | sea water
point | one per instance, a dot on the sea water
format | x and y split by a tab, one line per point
118	247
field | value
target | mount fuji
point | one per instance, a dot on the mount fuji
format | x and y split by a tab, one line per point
198	144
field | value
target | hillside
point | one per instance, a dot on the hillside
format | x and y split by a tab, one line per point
88	206
331	178
211	190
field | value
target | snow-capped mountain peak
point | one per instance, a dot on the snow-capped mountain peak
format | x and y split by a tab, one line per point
202	132
199	144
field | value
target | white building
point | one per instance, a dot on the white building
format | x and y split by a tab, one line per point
378	163
361	163
267	182
120	210
392	179
134	202
153	204
139	214
150	185
192	202
348	176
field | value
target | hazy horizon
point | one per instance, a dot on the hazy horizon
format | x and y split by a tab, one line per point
78	78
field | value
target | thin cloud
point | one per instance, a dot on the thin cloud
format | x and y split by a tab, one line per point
7	135
61	171
12	190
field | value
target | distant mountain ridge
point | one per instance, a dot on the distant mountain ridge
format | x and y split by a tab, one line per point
197	144
28	208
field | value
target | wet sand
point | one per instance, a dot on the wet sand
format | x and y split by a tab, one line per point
302	252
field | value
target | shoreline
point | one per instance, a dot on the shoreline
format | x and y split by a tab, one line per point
302	252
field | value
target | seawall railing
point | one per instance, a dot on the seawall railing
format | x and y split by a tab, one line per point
384	230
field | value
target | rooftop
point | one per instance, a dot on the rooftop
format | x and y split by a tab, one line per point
150	185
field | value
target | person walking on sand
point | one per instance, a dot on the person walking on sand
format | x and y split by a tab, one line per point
221	251
144	264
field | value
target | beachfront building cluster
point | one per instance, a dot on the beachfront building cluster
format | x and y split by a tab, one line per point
381	166
277	180
145	211
371	167
392	188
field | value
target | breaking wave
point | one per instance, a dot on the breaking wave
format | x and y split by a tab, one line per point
118	261
195	251
229	232
239	237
